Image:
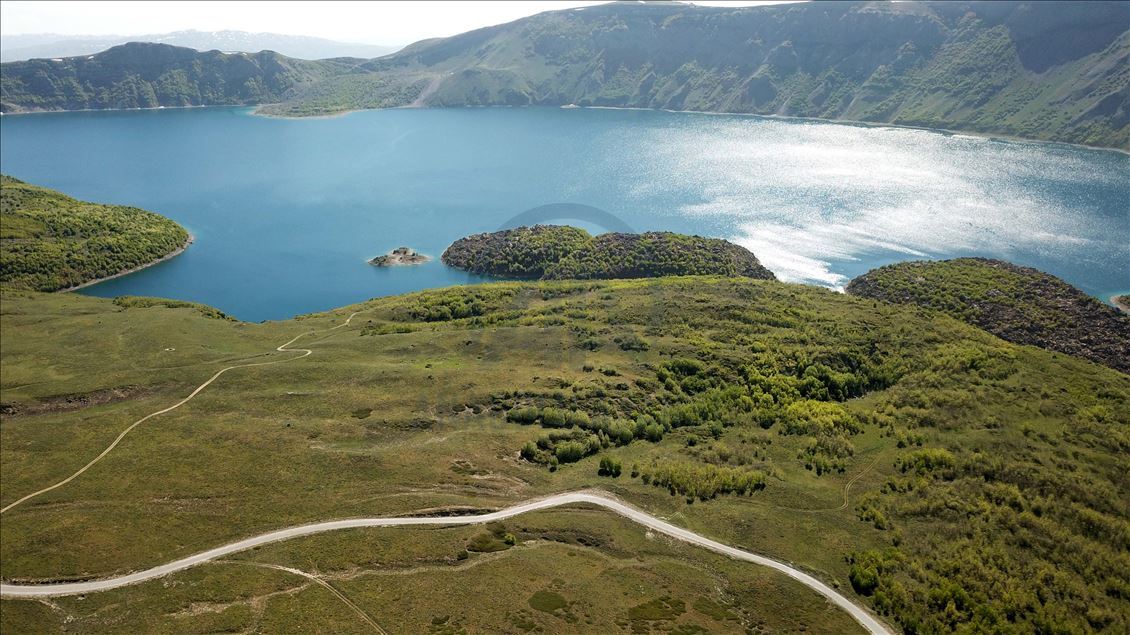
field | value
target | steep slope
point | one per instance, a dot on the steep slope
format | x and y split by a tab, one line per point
140	75
50	241
1018	304
1040	70
1058	71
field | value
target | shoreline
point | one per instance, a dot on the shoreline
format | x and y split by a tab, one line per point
255	110
169	256
1124	305
147	108
988	136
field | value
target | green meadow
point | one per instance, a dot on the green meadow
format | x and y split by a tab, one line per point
948	479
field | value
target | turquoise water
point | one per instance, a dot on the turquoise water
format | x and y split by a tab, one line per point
286	212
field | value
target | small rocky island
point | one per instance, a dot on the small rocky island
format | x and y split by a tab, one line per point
1121	302
400	256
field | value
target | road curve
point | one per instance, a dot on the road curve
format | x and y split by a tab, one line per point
600	499
102	455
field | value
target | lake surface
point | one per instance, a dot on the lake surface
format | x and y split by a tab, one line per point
286	212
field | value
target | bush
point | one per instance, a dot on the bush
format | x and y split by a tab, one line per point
632	342
927	460
609	467
703	481
523	415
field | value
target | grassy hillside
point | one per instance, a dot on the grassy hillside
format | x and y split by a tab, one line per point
552	252
1018	304
50	241
144	75
1054	71
952	480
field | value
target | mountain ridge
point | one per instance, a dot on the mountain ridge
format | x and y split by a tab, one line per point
1027	70
52	45
146	75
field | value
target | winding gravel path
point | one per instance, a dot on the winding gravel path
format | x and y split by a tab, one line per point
600	499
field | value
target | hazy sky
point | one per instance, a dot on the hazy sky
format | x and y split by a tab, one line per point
367	22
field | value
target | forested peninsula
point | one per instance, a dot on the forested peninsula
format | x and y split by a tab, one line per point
50	241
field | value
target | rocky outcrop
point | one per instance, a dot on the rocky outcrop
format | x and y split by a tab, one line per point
400	256
1018	304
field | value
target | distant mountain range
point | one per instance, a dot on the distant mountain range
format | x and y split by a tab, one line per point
1054	71
52	45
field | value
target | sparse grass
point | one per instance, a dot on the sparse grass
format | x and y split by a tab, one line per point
409	582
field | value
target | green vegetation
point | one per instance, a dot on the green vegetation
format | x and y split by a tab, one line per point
495	538
1018	304
703	481
50	241
578	570
141	302
609	467
147	75
547	601
347	92
615	255
1006	68
523	253
953	480
663	608
552	252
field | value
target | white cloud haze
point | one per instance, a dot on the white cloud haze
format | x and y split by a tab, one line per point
389	23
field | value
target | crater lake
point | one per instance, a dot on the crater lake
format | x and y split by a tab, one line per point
286	212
